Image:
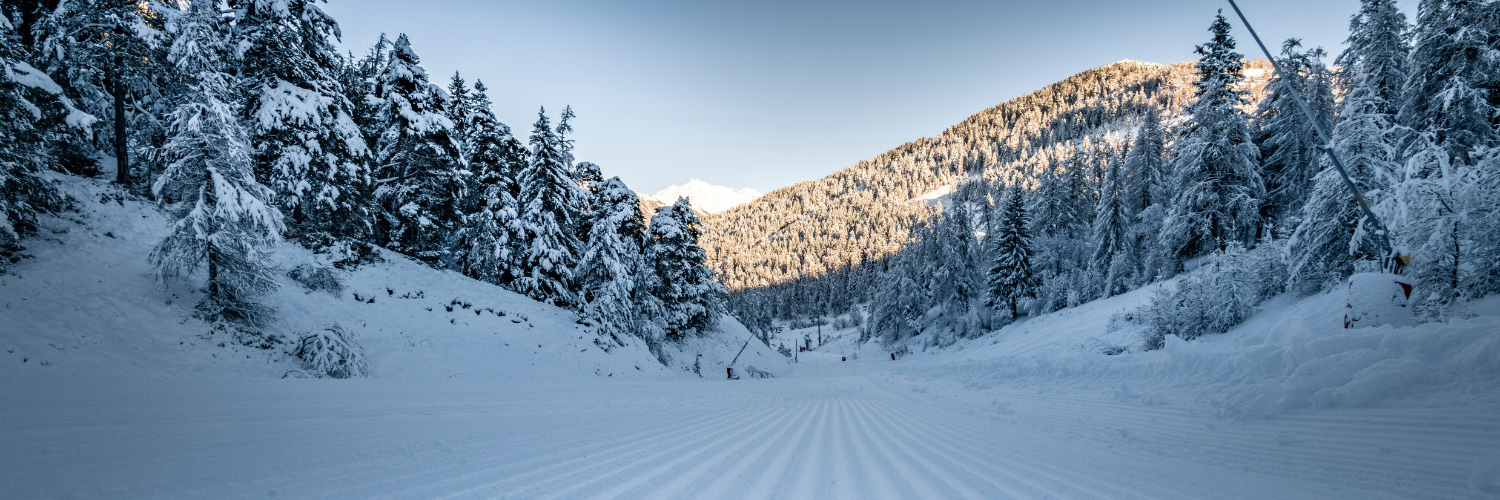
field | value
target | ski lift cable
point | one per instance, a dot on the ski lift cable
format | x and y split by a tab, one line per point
1391	262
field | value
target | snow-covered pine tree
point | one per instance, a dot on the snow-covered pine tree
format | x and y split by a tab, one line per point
460	107
23	193
1061	215
358	78
1144	172
1010	278
1448	104
549	216
1111	260
1288	141
1378	49
955	280
1481	195
226	221
565	144
494	155
691	299
899	304
611	262
1147	194
109	53
422	176
491	141
1324	247
1218	189
487	245
308	148
589	179
1450	83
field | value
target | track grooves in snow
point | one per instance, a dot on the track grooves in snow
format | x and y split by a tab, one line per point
835	437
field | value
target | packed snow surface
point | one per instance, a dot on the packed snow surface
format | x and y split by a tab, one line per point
705	197
109	390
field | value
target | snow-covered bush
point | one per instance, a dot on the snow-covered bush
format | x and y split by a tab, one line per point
333	352
1218	296
342	253
316	278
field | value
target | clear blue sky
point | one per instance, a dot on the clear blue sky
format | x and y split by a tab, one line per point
768	93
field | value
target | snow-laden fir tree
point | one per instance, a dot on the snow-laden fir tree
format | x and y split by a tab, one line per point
1450	86
1218	189
23	193
1333	232
1112	230
611	262
589	179
1290	150
226	222
1011	280
691	299
460	108
110	54
308	148
1147	193
1378	50
494	154
1481	196
1443	204
945	249
899	304
422	177
588	176
487	244
358	77
550	201
565	144
1061	213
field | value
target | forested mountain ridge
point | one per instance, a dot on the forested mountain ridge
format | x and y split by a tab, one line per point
862	213
1216	171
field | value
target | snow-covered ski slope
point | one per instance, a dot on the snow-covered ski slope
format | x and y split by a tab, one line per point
132	403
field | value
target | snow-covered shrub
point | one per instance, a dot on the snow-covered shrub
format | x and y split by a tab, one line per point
317	278
1219	295
342	253
333	352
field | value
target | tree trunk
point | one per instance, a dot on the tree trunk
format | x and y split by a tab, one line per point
122	152
213	274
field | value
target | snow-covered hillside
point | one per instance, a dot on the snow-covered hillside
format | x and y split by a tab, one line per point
86	305
706	198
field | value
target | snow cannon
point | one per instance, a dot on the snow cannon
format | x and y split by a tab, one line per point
1378	299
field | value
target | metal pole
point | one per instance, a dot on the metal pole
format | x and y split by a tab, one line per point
742	351
1390	262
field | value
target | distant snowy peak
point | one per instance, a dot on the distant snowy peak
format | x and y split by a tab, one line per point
1133	61
705	197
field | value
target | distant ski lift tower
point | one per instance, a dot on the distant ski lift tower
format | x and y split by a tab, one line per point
1390	262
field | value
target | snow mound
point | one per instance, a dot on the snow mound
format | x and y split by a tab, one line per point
1293	354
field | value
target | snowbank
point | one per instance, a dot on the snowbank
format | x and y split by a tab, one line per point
1293	354
708	355
86	305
